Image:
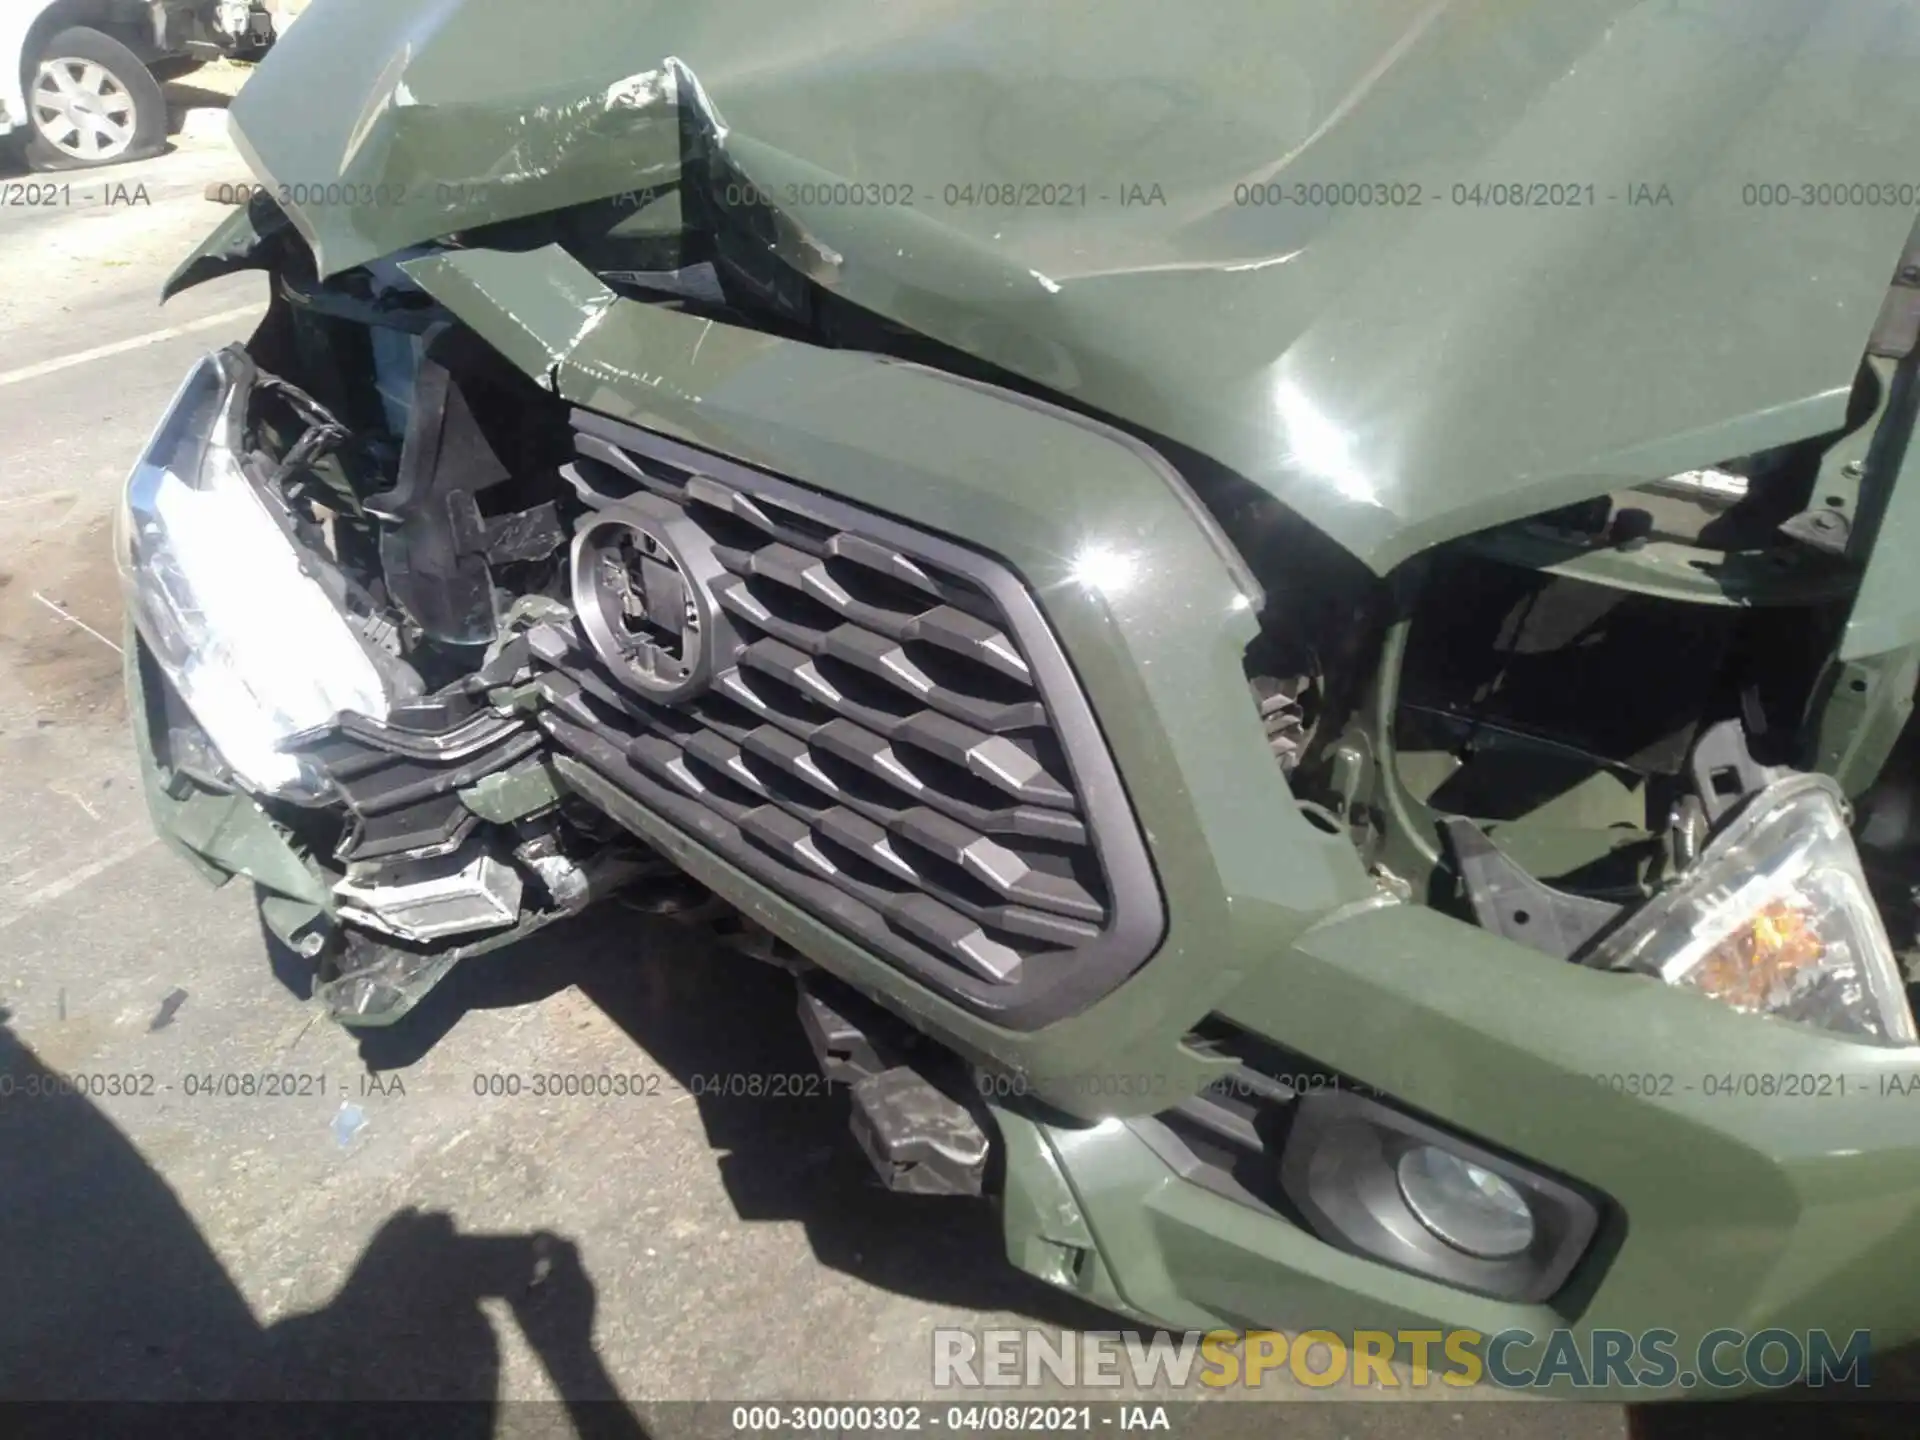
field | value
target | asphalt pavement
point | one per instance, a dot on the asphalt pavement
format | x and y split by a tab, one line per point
386	1223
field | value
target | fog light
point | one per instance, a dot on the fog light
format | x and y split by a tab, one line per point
1470	1208
1379	1182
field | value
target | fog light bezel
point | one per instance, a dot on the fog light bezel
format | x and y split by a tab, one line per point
1339	1169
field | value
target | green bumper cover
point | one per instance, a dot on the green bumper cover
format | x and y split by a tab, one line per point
1729	1209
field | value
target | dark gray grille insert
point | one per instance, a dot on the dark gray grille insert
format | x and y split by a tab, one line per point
896	724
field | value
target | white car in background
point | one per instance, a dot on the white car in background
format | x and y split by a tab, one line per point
80	79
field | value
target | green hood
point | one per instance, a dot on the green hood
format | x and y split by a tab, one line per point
1397	373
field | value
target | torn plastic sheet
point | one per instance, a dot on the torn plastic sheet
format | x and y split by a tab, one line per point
1414	268
382	982
348	1121
380	992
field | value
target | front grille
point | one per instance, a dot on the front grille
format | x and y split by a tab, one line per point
873	721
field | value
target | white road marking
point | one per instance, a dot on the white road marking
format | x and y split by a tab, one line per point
79	875
92	814
69	616
121	347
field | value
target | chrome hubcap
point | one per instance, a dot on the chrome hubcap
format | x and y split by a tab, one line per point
81	110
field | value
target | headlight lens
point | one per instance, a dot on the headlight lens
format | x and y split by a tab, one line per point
1775	918
248	639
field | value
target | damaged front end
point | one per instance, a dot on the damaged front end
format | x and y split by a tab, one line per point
1157	673
1634	733
395	822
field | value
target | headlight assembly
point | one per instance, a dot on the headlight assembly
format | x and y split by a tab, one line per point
223	597
1775	919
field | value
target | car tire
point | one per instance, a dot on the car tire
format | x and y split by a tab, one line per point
107	109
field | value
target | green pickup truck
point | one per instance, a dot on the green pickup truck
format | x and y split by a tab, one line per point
1289	613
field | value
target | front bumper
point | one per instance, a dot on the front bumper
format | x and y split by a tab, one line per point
209	31
1729	1203
1729	1207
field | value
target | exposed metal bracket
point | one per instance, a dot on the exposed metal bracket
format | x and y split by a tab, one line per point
846	1053
918	1139
1724	770
1897	329
1827	531
1511	903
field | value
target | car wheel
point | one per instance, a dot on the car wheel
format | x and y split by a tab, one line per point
90	101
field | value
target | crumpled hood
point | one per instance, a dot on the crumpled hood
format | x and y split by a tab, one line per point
1399	373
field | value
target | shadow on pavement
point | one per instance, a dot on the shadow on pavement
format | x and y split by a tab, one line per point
1798	1414
1803	1419
703	1014
183	98
108	1291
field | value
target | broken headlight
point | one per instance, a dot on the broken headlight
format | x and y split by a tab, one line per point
222	595
1775	919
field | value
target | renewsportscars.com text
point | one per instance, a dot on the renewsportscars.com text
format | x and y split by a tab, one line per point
1404	1359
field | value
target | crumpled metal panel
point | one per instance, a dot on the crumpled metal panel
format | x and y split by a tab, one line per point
1397	373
